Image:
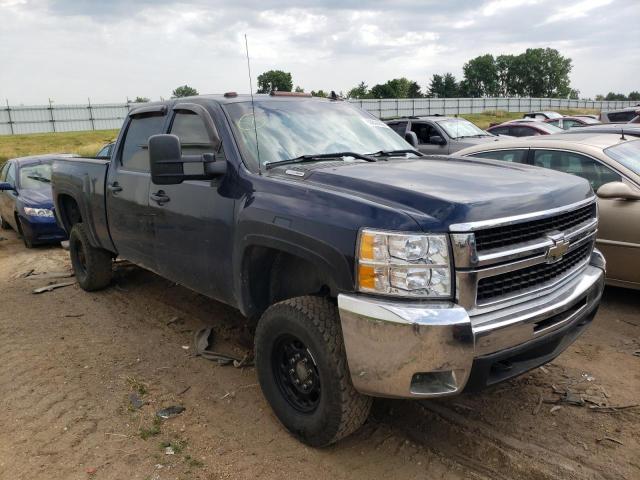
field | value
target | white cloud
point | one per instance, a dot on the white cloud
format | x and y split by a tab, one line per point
576	10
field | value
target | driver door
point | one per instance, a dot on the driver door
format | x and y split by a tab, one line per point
424	131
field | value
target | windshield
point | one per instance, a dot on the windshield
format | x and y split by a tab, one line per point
35	176
628	154
547	127
459	127
289	129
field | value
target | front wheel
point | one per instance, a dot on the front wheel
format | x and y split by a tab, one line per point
25	237
92	266
302	369
4	224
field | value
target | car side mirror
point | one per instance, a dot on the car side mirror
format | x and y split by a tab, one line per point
4	186
170	167
411	138
437	140
618	190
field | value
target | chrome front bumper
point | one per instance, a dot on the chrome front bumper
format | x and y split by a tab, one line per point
428	349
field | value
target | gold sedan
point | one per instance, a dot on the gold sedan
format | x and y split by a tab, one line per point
611	163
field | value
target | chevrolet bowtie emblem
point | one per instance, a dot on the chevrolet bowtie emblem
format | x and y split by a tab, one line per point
558	249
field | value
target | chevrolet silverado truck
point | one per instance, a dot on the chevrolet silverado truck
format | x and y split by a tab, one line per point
371	270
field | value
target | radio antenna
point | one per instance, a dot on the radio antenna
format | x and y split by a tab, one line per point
253	108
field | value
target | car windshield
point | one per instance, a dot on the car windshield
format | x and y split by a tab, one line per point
289	129
35	176
547	127
627	153
459	128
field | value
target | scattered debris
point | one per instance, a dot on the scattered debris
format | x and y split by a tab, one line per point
48	275
170	411
91	470
612	408
538	406
636	353
611	439
185	347
175	320
588	377
135	401
572	398
185	390
203	342
65	245
27	273
151	431
555	408
74	315
169	451
53	286
544	370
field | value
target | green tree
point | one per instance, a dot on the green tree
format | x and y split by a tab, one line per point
599	97
443	86
634	96
184	91
360	91
275	80
615	96
299	89
141	100
545	73
319	93
396	88
480	77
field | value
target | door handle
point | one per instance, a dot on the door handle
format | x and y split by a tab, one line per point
160	197
114	187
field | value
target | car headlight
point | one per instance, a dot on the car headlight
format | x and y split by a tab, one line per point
38	212
403	264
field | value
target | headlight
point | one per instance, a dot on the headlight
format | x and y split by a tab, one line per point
38	212
408	265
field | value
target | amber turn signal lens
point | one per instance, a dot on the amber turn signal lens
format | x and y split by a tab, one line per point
366	277
366	247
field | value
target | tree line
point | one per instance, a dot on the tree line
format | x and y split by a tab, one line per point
537	72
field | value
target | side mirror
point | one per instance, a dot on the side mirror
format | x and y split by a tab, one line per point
618	190
4	186
411	138
437	140
170	167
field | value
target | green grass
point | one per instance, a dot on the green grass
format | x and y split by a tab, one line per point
82	143
153	430
485	119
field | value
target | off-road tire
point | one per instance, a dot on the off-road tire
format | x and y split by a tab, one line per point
92	266
341	410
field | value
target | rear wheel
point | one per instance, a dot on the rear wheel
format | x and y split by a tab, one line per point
303	371
92	266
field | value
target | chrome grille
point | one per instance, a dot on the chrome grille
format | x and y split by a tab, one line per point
507	235
517	281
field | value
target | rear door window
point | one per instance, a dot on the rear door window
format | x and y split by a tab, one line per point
11	174
500	131
621	116
517	156
399	127
591	170
521	131
135	153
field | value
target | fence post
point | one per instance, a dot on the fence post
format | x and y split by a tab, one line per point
93	126
413	107
9	115
397	107
53	121
458	105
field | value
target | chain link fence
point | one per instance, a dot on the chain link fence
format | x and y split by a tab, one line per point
15	120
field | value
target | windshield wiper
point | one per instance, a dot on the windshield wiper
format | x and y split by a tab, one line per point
393	153
39	179
319	156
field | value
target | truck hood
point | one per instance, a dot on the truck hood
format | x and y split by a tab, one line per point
440	191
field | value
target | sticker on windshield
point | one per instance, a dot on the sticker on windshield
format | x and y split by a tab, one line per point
245	122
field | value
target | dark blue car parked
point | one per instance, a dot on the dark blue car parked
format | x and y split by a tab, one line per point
25	200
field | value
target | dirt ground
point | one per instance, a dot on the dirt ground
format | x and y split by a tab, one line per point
69	360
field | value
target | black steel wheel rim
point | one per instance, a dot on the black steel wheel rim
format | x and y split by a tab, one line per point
296	373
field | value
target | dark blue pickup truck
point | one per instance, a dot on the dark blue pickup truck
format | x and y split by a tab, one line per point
371	270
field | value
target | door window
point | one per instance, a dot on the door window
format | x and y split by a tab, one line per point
500	131
518	156
423	131
399	127
3	172
569	162
135	153
192	132
523	131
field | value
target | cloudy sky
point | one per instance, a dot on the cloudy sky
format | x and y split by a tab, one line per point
109	50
